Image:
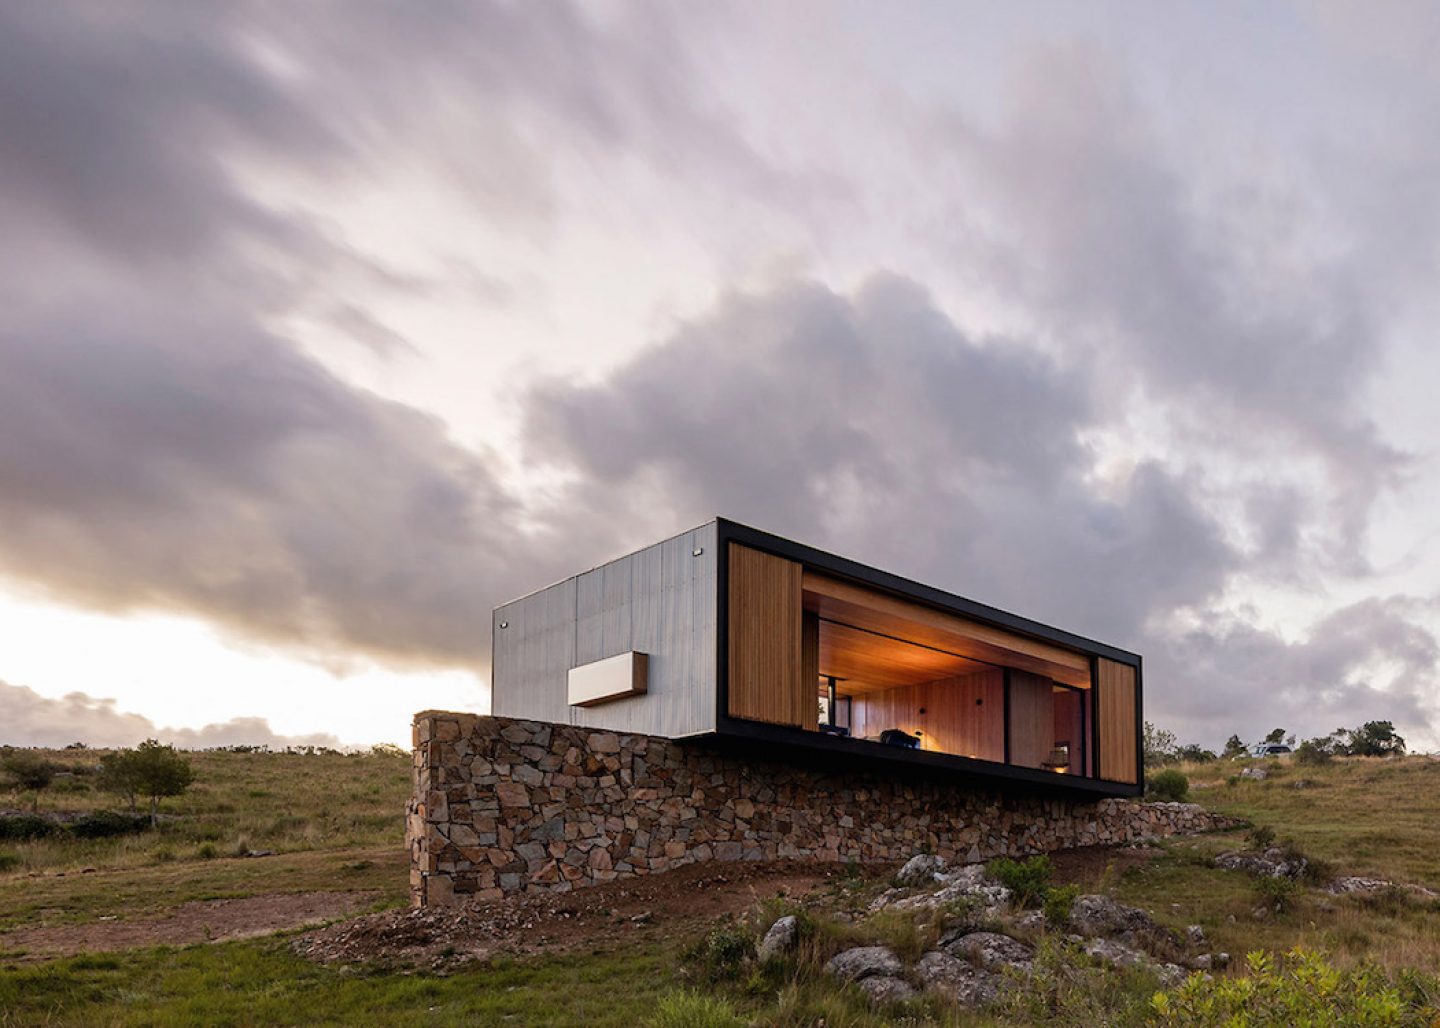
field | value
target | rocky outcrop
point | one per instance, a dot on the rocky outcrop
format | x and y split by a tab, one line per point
503	806
1270	863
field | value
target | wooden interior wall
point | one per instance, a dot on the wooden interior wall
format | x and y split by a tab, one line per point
810	653
1070	725
964	715
1032	718
766	653
1116	686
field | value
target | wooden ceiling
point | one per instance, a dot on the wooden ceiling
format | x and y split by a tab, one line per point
835	600
868	662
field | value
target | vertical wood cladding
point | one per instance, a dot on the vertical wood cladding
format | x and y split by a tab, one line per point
1032	718
1116	684
964	715
766	653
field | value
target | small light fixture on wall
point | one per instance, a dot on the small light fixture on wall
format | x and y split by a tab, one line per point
504	624
699	550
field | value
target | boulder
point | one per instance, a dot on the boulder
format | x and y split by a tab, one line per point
887	989
1358	884
1116	954
1100	917
968	884
780	938
921	869
992	951
1259	774
1272	863
958	980
861	962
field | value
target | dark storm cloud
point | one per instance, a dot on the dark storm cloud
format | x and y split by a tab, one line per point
873	423
29	719
160	445
1365	661
163	445
1186	292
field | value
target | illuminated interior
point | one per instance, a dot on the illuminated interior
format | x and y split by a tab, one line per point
897	673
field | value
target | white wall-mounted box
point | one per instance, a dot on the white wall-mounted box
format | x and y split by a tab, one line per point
613	678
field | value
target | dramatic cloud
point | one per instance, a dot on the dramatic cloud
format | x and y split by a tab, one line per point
29	719
223	353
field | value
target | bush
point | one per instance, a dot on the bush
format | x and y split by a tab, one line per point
9	861
1028	879
694	1010
1275	893
106	824
1058	901
723	952
1302	988
1262	837
23	827
1311	752
1168	785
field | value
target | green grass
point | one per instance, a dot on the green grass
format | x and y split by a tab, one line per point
1364	815
250	983
334	821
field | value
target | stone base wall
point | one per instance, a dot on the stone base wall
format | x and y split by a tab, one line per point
503	806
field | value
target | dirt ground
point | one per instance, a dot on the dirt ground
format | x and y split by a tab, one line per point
667	906
201	921
661	907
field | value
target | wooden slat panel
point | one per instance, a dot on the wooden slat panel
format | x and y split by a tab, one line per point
842	601
810	649
1116	684
953	721
767	680
1032	719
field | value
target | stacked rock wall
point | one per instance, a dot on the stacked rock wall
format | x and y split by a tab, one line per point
502	806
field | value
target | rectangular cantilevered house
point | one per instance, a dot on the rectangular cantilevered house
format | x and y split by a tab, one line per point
729	635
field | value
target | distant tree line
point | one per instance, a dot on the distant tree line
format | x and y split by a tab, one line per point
1372	739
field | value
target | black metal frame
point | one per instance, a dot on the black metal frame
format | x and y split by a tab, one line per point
862	751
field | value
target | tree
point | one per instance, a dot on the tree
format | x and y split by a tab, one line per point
29	770
1276	736
1234	748
118	775
151	769
1374	739
1193	753
1159	745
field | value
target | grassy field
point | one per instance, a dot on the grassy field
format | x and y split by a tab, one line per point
335	822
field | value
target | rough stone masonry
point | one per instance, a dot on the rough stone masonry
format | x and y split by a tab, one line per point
502	806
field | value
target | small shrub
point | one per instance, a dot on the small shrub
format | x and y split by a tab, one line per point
1058	901
1261	837
694	1010
1168	785
1275	893
9	861
1302	988
105	824
1308	752
1028	879
1232	780
724	952
23	827
207	851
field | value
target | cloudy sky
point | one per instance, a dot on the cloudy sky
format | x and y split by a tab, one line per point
325	328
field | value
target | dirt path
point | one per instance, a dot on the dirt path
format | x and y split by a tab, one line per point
663	907
199	921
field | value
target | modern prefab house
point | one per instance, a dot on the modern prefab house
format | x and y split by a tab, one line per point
733	635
